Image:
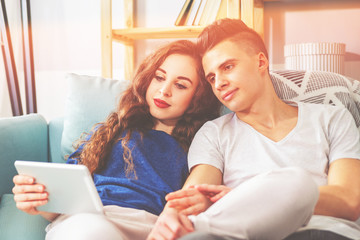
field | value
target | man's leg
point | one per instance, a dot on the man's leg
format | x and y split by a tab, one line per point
268	206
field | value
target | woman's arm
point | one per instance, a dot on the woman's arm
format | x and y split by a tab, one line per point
29	195
341	197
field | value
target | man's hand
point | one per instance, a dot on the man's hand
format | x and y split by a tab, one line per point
170	225
213	192
188	201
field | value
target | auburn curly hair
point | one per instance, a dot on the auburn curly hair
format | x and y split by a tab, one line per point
133	114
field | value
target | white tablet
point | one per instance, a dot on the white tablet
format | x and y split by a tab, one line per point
71	188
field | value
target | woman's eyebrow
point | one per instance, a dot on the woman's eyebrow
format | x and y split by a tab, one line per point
161	70
184	78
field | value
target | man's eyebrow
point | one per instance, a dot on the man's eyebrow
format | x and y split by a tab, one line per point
227	62
220	66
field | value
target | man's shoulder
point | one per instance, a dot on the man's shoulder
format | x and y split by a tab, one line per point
222	120
319	108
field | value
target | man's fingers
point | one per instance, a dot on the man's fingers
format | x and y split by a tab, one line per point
180	194
192	210
208	188
218	196
180	203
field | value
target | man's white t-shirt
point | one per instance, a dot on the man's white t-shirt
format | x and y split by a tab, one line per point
323	134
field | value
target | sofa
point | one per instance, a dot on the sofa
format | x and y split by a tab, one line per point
90	99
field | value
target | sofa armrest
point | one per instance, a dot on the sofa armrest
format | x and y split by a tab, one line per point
56	127
21	138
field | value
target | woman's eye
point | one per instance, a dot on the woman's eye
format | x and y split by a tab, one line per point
180	86
159	78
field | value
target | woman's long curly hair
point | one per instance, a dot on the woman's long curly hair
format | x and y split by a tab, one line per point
133	114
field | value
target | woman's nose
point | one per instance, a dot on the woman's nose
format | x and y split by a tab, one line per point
165	90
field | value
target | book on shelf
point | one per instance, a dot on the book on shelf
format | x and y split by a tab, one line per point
204	12
199	12
184	13
193	12
222	12
210	11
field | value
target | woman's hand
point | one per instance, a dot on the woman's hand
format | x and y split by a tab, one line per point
170	225
188	201
29	195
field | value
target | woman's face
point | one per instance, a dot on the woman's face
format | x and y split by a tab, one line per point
171	90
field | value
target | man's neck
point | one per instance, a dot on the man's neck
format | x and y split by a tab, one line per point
275	120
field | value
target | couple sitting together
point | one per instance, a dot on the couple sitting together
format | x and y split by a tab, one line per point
166	166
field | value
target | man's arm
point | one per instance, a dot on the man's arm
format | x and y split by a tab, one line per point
341	197
204	173
189	200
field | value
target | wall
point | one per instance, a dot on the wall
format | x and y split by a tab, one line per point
314	21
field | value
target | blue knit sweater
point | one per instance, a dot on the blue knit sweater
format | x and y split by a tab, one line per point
160	165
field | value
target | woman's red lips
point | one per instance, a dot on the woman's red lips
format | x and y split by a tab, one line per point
160	103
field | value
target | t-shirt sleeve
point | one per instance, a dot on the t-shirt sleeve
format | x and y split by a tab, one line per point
205	147
344	136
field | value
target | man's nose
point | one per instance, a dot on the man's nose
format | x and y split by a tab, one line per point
220	82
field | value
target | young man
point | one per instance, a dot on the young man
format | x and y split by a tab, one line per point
275	156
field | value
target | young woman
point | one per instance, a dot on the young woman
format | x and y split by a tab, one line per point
138	154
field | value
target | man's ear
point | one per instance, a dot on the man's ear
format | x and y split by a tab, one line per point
263	61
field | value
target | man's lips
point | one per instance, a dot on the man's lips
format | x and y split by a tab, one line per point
160	103
228	95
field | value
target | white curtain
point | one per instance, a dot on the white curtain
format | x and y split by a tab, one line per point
66	38
13	14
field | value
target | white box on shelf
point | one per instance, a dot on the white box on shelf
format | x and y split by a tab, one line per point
320	56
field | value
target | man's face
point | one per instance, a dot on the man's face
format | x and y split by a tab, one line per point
233	74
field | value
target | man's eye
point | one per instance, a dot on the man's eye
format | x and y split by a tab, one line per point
180	86
211	79
228	67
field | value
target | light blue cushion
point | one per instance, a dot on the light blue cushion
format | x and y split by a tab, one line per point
89	101
18	225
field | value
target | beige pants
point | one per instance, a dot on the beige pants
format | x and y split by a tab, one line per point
117	223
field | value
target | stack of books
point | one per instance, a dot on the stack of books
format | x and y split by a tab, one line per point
201	12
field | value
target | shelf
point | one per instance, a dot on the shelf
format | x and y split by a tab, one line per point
127	35
251	13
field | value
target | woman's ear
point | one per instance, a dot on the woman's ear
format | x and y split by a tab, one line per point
263	61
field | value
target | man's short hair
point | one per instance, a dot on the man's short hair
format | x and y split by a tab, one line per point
230	29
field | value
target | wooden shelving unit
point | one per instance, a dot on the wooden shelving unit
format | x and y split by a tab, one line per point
251	12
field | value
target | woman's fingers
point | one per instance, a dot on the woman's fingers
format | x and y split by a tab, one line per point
23	179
